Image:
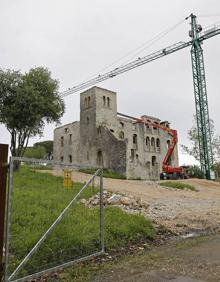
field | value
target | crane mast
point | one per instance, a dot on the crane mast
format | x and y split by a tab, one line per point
201	101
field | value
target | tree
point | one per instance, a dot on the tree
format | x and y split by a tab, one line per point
48	145
194	171
193	149
27	103
37	152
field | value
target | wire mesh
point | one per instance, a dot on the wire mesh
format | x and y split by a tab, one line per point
51	224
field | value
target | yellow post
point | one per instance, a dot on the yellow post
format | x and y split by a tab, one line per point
67	178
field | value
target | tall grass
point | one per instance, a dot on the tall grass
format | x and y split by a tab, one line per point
38	199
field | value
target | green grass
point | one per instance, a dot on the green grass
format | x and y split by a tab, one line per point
106	173
177	185
38	199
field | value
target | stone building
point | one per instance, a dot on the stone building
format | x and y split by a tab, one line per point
104	137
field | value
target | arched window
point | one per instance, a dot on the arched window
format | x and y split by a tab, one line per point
70	159
103	99
153	143
89	100
61	158
99	158
121	135
134	138
154	159
62	141
108	102
86	102
148	143
158	143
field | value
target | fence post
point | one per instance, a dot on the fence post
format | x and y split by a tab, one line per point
3	181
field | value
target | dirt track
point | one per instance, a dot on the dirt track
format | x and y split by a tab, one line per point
176	209
192	260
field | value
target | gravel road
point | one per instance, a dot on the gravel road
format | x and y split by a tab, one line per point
178	210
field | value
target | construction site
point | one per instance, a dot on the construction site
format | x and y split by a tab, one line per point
98	113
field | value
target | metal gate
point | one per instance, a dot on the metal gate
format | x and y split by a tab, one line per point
50	225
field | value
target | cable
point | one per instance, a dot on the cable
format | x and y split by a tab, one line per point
209	15
157	38
142	47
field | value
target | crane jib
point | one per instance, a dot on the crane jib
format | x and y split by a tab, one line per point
138	62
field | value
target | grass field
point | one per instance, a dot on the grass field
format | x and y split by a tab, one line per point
38	198
106	173
177	185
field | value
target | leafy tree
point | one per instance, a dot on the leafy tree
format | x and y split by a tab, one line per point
48	145
28	102
193	149
37	152
194	171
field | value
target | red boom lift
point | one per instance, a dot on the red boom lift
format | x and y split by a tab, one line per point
168	171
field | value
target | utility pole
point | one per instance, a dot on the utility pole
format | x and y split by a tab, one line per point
201	101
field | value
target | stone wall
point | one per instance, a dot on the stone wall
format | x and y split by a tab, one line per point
67	143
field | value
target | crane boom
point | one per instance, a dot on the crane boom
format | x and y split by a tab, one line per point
139	62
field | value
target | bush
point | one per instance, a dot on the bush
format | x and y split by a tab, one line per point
194	171
37	152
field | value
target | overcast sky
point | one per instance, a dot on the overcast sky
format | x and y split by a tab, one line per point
78	39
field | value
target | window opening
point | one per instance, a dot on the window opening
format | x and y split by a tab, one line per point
108	102
85	102
154	160
134	138
121	135
62	141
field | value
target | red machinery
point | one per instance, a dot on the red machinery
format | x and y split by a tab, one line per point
169	171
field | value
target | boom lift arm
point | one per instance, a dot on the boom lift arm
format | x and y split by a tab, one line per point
167	168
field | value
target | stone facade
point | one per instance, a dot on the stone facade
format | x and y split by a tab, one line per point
115	141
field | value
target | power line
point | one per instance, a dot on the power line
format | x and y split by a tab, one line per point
144	46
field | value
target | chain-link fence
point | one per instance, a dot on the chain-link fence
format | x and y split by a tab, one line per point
49	224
